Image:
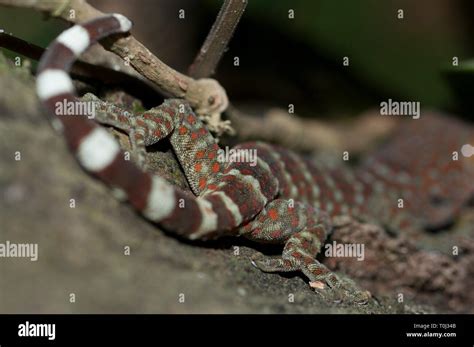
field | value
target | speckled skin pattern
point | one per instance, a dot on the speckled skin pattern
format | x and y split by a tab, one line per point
281	198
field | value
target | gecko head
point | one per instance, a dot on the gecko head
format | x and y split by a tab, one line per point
439	212
444	202
207	96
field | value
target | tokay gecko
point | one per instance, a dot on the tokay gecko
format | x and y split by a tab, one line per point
281	198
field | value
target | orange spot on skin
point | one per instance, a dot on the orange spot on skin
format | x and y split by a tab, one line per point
320	234
200	154
182	130
404	223
276	234
202	131
318	271
198	167
191	119
256	231
273	214
216	167
194	136
202	183
296	255
212	187
211	155
157	133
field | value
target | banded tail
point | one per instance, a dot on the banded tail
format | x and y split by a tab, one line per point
99	153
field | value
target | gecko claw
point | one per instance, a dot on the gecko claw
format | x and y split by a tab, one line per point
340	290
254	264
317	285
331	287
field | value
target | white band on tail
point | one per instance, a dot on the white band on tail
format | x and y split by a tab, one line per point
53	82
209	219
125	23
161	200
97	150
76	39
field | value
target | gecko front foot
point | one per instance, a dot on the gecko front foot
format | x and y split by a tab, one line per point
344	291
327	284
302	229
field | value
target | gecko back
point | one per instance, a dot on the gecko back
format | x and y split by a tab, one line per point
423	165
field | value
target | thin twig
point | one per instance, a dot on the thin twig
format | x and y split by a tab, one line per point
170	80
35	52
216	42
20	46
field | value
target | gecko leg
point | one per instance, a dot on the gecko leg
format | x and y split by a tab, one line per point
194	145
137	144
303	230
144	129
110	114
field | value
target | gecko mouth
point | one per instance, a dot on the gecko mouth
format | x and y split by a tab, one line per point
440	226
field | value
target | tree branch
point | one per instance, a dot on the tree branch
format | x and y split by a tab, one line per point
20	46
207	96
83	70
214	46
287	130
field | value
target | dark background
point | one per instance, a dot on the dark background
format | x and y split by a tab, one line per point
299	61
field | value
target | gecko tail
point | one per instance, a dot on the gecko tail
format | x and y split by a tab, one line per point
97	150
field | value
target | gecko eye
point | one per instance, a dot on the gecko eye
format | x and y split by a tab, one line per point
438	200
211	100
